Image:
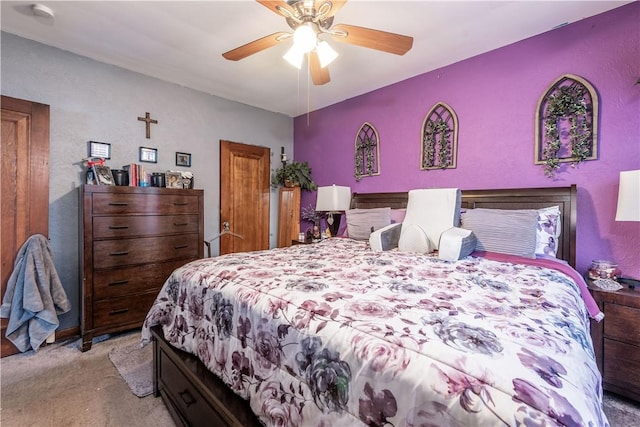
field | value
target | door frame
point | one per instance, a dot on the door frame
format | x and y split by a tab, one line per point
24	193
229	203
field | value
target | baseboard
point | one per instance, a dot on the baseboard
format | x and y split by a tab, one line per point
7	348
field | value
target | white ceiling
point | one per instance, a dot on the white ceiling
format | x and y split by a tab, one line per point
183	41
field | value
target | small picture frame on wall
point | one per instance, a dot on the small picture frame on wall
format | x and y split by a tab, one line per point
100	149
103	175
173	179
183	159
148	155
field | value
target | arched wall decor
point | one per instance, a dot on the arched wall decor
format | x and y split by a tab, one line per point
439	136
566	124
367	152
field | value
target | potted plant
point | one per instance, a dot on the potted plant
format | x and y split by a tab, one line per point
294	174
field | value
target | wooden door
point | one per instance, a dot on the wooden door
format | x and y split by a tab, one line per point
24	186
288	216
244	197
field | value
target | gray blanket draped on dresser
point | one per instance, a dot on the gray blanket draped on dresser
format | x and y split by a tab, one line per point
34	296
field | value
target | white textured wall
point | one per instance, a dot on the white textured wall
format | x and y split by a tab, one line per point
93	101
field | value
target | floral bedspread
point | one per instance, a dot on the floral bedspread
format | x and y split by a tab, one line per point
333	334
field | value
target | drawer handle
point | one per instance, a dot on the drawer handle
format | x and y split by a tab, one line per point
181	247
179	224
180	203
187	397
118	253
115	312
118	204
118	227
119	282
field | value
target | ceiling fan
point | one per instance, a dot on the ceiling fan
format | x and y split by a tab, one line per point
310	19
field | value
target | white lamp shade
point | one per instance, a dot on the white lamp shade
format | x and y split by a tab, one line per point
629	196
333	198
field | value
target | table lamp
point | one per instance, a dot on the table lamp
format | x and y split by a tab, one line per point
333	199
629	207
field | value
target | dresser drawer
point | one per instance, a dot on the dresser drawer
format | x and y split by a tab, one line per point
188	400
143	225
118	311
110	204
115	253
622	365
112	283
620	323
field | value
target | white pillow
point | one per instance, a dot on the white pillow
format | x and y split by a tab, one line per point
414	239
456	243
434	210
385	238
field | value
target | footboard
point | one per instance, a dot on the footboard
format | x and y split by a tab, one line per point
194	395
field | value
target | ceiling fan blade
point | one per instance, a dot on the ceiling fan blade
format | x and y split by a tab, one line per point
279	7
255	46
335	5
373	39
319	75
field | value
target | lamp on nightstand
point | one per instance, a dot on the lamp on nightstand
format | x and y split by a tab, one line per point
333	199
629	206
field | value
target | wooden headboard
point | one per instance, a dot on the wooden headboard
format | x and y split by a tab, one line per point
517	198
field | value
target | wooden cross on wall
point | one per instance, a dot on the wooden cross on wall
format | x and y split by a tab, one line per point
148	120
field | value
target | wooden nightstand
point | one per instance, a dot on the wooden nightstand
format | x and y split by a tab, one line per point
298	242
616	340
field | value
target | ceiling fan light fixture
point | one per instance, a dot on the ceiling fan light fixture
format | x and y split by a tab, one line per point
326	53
294	56
305	38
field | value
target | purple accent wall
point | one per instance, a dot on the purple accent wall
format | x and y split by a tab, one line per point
495	97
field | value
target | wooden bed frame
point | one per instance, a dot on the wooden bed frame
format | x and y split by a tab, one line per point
196	397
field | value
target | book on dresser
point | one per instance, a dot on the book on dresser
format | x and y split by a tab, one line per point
131	239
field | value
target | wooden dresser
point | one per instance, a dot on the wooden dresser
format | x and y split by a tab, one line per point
616	340
288	215
131	239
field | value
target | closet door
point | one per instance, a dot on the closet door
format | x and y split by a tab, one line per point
244	196
288	215
24	184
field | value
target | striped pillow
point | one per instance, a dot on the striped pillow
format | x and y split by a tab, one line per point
503	231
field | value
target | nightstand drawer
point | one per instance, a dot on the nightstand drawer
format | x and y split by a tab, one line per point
622	365
144	225
621	323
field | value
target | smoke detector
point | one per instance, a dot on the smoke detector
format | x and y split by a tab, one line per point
42	10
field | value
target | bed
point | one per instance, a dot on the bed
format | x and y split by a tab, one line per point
333	334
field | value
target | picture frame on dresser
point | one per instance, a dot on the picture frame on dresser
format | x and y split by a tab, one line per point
173	179
103	175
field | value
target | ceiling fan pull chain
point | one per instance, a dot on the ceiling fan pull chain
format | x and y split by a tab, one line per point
308	88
